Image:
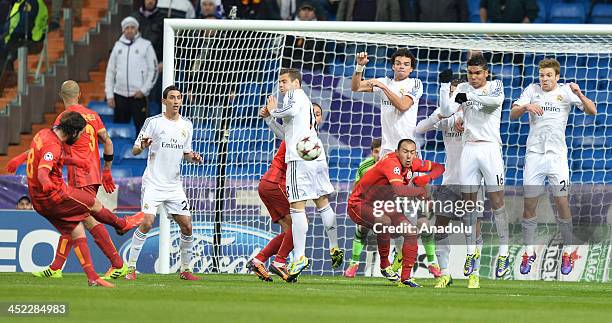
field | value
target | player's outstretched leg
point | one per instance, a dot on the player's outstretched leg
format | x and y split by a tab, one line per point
257	264
54	270
81	250
121	225
279	265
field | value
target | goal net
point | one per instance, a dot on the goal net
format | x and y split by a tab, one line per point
227	69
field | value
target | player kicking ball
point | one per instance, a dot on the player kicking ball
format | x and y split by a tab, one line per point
64	206
168	137
548	105
390	178
306	180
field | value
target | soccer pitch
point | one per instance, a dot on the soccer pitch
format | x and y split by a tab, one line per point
243	298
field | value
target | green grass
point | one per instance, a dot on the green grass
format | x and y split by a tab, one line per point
243	298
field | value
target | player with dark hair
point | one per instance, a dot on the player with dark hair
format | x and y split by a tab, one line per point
390	178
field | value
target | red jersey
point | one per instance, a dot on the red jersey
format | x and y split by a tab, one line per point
278	168
85	148
376	183
45	152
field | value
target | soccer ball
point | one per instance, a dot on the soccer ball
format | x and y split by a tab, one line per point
309	147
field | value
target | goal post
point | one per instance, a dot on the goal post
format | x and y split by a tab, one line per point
227	68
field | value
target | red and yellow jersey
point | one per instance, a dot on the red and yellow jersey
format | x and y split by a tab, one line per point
278	168
45	152
376	183
85	148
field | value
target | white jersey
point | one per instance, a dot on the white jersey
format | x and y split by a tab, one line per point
298	121
547	132
482	111
398	125
452	138
169	141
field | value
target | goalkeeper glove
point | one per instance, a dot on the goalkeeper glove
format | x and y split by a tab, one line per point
107	181
14	163
421	181
461	97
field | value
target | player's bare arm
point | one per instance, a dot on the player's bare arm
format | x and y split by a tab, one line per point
518	110
402	103
589	106
105	139
357	84
144	144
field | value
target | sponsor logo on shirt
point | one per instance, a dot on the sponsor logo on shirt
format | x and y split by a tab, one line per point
173	144
550	107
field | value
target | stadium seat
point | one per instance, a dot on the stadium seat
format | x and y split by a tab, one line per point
568	13
121	130
121	172
474	10
542	12
102	109
601	14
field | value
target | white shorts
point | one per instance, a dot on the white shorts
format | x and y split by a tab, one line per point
452	194
481	160
174	200
307	180
538	167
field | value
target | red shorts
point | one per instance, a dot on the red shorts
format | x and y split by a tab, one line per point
274	197
66	213
363	214
91	189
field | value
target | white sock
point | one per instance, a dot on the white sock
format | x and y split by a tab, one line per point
469	221
566	228
503	232
299	228
186	251
443	251
398	243
479	244
529	227
138	240
331	227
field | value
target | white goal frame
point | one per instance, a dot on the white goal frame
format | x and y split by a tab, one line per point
173	25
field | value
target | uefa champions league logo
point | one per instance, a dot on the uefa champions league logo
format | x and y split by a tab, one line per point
238	245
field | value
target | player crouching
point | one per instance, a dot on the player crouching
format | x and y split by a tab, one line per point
388	180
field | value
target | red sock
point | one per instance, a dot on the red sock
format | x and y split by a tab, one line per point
285	248
61	253
271	248
82	252
409	251
105	243
384	245
108	217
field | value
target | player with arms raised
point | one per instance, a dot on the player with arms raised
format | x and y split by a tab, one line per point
548	105
306	180
168	135
481	156
392	177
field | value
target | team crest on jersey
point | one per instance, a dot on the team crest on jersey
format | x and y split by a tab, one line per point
396	171
409	175
48	156
560	98
146	206
183	132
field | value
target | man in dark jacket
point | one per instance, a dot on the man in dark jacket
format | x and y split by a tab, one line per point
441	11
151	22
515	11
